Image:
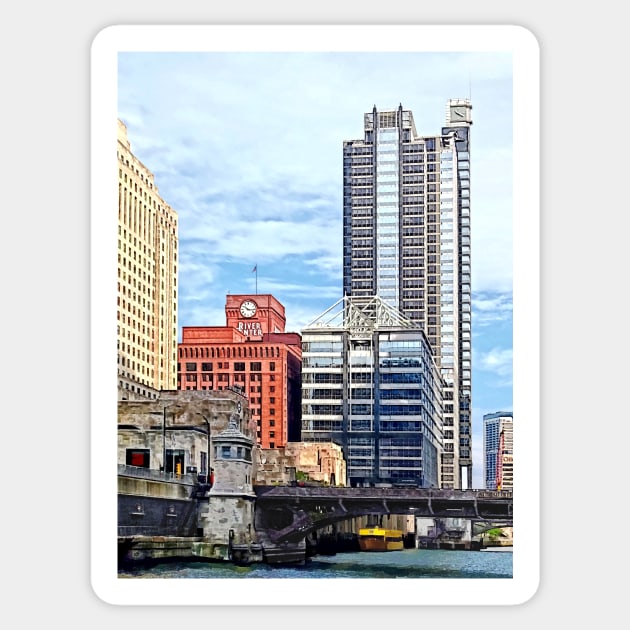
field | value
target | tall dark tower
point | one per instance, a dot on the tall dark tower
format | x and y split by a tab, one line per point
406	239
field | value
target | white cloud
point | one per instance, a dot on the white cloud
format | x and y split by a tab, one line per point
490	309
497	361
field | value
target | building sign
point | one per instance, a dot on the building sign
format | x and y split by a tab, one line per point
253	329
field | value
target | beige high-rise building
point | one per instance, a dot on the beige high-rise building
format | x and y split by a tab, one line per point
147	281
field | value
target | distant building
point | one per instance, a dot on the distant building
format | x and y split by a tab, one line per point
498	451
370	384
406	238
252	354
318	462
147	281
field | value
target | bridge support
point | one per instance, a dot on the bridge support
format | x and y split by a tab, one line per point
284	552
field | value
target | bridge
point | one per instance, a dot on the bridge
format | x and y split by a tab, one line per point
286	515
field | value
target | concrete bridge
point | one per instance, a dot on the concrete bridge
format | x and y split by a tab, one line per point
286	515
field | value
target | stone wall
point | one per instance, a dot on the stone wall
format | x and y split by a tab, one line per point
188	414
320	461
188	408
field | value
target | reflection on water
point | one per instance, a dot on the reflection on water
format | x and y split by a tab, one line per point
409	563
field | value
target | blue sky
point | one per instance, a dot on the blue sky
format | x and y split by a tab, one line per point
247	148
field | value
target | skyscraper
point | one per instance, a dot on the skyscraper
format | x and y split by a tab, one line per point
498	451
147	281
406	239
370	384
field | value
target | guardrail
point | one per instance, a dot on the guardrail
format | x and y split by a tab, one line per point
138	472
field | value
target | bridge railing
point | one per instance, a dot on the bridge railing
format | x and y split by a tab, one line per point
139	472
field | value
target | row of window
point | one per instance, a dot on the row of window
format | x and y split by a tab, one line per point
225	378
311	426
238	366
244	351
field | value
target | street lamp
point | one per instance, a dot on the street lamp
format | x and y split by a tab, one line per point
209	444
164	440
164	435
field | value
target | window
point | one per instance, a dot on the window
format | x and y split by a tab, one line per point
272	366
138	457
206	367
191	367
255	366
239	367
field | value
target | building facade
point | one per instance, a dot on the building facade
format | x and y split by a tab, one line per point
498	451
316	462
406	238
147	281
370	384
173	434
252	354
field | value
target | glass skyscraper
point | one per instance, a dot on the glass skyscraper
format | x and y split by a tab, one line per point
370	384
406	239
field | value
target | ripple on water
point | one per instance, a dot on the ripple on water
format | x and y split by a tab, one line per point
410	564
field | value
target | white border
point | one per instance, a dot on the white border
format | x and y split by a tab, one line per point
404	592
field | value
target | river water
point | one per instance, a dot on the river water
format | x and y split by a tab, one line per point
409	563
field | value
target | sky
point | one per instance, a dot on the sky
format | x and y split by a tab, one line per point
246	147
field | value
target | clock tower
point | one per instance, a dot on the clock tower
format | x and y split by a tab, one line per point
255	315
458	112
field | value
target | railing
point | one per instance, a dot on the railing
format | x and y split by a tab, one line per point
138	472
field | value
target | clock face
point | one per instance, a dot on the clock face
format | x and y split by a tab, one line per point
248	308
458	113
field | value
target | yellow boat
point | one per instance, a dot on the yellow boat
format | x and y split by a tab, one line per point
378	539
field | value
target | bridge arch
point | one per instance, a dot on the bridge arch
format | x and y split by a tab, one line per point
287	515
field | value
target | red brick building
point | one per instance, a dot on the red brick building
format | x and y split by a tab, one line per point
251	353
